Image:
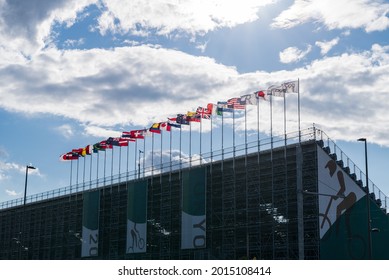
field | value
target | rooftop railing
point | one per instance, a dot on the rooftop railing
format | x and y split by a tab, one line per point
183	162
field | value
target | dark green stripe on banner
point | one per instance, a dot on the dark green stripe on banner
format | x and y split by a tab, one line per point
193	196
90	217
137	202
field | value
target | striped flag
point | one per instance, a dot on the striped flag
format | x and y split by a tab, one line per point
235	103
69	156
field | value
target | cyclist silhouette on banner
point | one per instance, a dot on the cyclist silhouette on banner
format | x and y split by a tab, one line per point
138	243
347	200
356	244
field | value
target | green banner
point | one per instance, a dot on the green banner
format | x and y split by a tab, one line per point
90	224
193	220
137	217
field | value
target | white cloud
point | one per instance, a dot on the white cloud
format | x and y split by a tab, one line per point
12	193
9	166
293	54
121	86
336	14
66	131
326	46
167	16
101	132
25	25
136	86
74	43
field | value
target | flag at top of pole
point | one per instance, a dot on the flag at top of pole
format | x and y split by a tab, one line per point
235	103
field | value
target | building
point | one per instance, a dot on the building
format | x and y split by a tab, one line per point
294	201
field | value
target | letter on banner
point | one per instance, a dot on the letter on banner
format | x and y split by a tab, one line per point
90	224
137	217
193	226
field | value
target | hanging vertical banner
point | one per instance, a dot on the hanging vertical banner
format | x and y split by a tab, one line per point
193	220
90	224
342	212
137	217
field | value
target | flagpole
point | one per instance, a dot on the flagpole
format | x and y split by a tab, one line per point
285	118
105	165
271	125
211	143
245	133
112	169
97	169
258	137
190	144
90	169
83	174
222	137
152	155
128	156
135	152
233	137
160	173
170	149
77	171
201	125
180	147
144	155
120	160
71	171
298	100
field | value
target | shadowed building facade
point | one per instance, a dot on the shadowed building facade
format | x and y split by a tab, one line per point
292	202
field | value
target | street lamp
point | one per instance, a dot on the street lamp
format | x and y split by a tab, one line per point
25	184
21	241
367	201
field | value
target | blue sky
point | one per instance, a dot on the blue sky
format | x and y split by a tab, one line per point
76	72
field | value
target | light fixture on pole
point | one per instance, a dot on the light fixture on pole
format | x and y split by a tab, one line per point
367	201
25	183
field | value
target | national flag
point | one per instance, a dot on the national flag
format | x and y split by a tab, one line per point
98	147
203	113
235	103
165	126
249	99
118	141
182	119
212	108
81	152
136	134
223	107
173	122
155	128
104	145
88	149
192	117
260	94
69	156
278	91
290	86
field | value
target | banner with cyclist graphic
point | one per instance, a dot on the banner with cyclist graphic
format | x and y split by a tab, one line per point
342	212
193	220
90	224
137	217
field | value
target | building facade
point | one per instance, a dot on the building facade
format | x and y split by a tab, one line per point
292	202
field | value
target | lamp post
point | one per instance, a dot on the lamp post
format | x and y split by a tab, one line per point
25	183
21	237
367	202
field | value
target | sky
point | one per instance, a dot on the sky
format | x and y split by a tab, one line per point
74	72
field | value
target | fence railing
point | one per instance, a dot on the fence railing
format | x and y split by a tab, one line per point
312	133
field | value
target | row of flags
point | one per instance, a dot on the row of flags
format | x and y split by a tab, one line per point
236	103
